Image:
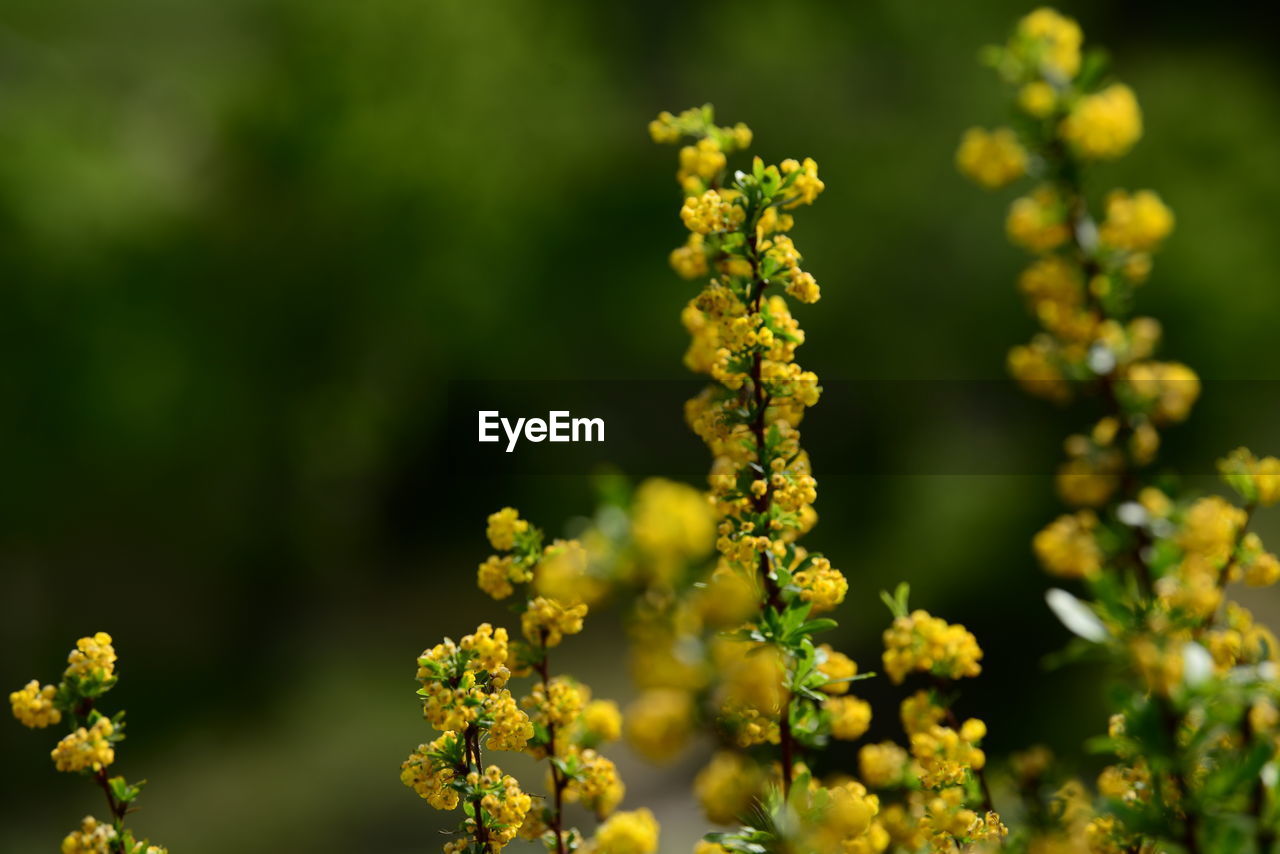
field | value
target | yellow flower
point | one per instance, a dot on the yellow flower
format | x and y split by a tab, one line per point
547	621
728	786
1038	222
634	832
558	704
672	524
564	574
919	712
506	805
33	705
702	160
847	818
430	777
597	786
1104	125
659	723
881	765
1067	547
804	287
1038	99
495	574
926	643
93	837
836	666
602	720
93	659
1036	371
504	527
821	586
991	158
86	749
850	717
663	129
510	728
947	756
807	185
711	212
1137	222
1170	388
690	260
1256	479
1053	42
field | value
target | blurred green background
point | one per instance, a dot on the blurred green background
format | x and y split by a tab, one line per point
245	246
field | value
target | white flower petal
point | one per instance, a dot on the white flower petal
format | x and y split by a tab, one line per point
1076	615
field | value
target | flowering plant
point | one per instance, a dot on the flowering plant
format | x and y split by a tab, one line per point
90	747
1193	729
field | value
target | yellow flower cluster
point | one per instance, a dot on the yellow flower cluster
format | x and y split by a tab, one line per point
430	777
86	749
1086	270
1104	125
634	832
93	659
849	717
991	158
33	705
927	644
659	723
93	837
671	525
822	586
947	756
547	621
882	765
596	783
728	786
1068	547
504	528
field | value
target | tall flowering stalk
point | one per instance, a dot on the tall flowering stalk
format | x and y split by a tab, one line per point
90	747
466	696
778	696
1194	727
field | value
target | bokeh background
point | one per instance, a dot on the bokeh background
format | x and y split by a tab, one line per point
251	249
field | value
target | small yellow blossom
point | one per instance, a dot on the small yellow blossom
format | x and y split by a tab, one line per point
727	787
86	749
1038	99
991	158
93	837
837	667
659	723
33	705
881	765
1104	125
602	720
504	528
1068	548
93	659
822	586
1038	222
926	643
1052	42
1136	222
547	621
634	832
850	717
807	185
429	777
